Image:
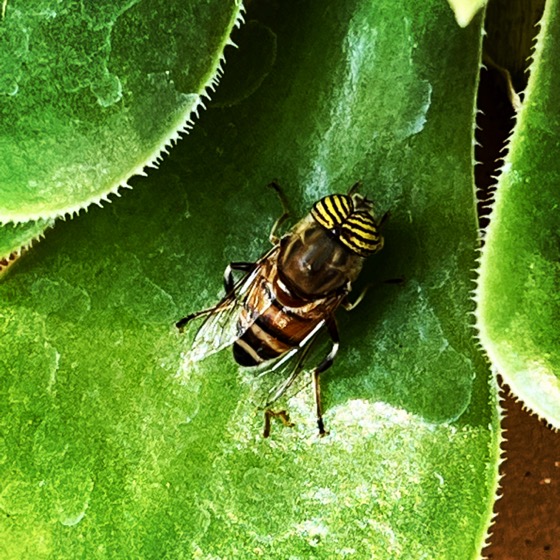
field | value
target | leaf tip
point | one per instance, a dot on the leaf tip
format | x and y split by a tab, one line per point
465	10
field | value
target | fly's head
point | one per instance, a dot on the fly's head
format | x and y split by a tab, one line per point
325	251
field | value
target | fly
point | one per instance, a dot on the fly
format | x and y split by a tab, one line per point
272	316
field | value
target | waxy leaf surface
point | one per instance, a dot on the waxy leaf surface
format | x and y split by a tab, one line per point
113	445
519	291
90	92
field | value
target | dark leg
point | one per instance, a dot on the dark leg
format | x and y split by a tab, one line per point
282	414
228	285
323	366
181	323
228	273
384	219
354	188
274	239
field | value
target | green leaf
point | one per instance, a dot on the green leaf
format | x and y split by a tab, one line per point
90	93
465	10
14	238
112	447
519	299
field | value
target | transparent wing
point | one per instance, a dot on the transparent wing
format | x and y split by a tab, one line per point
221	327
286	376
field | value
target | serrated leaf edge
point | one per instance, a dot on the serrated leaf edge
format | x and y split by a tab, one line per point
8	260
494	198
212	80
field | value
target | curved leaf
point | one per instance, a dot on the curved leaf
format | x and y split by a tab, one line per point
13	237
108	434
465	10
518	295
92	92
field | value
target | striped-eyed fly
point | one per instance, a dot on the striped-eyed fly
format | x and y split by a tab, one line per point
272	316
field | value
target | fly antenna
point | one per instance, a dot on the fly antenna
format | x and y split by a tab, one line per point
354	188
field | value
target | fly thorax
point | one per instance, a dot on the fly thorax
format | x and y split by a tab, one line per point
313	263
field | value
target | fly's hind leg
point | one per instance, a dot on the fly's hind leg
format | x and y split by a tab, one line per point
182	323
323	366
274	239
282	414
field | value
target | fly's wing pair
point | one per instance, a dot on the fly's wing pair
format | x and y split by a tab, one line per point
221	328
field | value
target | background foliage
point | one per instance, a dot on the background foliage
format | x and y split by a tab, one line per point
110	445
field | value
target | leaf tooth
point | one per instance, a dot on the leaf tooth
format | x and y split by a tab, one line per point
8	261
210	86
240	15
486	541
187	126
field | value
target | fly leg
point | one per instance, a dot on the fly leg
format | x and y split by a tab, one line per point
282	414
181	323
323	366
349	305
384	219
228	273
274	239
228	285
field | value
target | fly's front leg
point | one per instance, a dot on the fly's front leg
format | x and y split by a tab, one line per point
274	239
323	366
354	188
349	305
384	219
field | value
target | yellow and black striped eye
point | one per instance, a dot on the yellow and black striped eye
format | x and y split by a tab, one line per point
360	234
331	211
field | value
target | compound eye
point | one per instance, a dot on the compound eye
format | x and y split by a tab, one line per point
360	234
331	211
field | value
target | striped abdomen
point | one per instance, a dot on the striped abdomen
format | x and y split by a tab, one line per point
274	321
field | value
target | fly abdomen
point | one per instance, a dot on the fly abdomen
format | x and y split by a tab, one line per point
255	346
263	340
245	355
